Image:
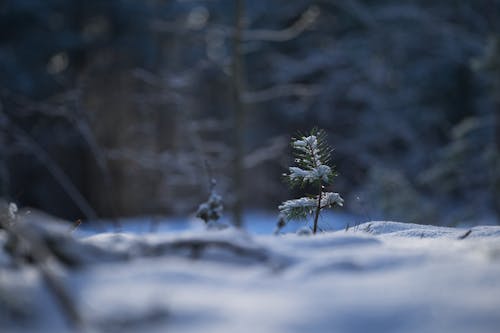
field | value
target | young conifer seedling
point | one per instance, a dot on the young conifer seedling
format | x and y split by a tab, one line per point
312	158
211	210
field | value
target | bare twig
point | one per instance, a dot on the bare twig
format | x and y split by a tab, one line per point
308	17
465	235
266	153
54	169
306	20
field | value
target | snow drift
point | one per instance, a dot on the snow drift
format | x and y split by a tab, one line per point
376	277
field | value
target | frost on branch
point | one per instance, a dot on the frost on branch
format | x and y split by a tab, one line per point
312	155
329	199
321	172
297	208
211	210
301	208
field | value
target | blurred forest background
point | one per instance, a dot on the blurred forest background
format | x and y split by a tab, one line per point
114	108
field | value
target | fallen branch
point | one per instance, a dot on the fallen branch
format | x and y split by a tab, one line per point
464	236
43	260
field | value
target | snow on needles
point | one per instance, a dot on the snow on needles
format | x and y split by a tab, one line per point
306	205
312	155
321	172
309	144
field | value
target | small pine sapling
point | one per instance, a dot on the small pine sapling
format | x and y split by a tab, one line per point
312	158
211	210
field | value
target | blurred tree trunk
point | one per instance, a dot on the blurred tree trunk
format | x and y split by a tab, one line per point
239	114
496	171
492	64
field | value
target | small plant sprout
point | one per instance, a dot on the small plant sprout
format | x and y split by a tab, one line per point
312	159
211	210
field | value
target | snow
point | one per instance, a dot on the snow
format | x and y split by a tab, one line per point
316	170
309	145
375	277
12	210
426	231
306	205
329	199
212	209
306	142
289	206
321	172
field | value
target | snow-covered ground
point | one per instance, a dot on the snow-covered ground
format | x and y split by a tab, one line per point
259	222
376	277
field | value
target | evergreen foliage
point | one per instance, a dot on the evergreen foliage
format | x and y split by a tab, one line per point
313	167
211	210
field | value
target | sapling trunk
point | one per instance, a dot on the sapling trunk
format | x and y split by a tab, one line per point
318	208
239	117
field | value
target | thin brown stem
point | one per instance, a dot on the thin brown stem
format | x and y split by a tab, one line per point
320	190
318	207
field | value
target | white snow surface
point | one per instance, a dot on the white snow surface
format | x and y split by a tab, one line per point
375	277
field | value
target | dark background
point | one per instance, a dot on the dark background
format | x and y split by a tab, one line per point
115	108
